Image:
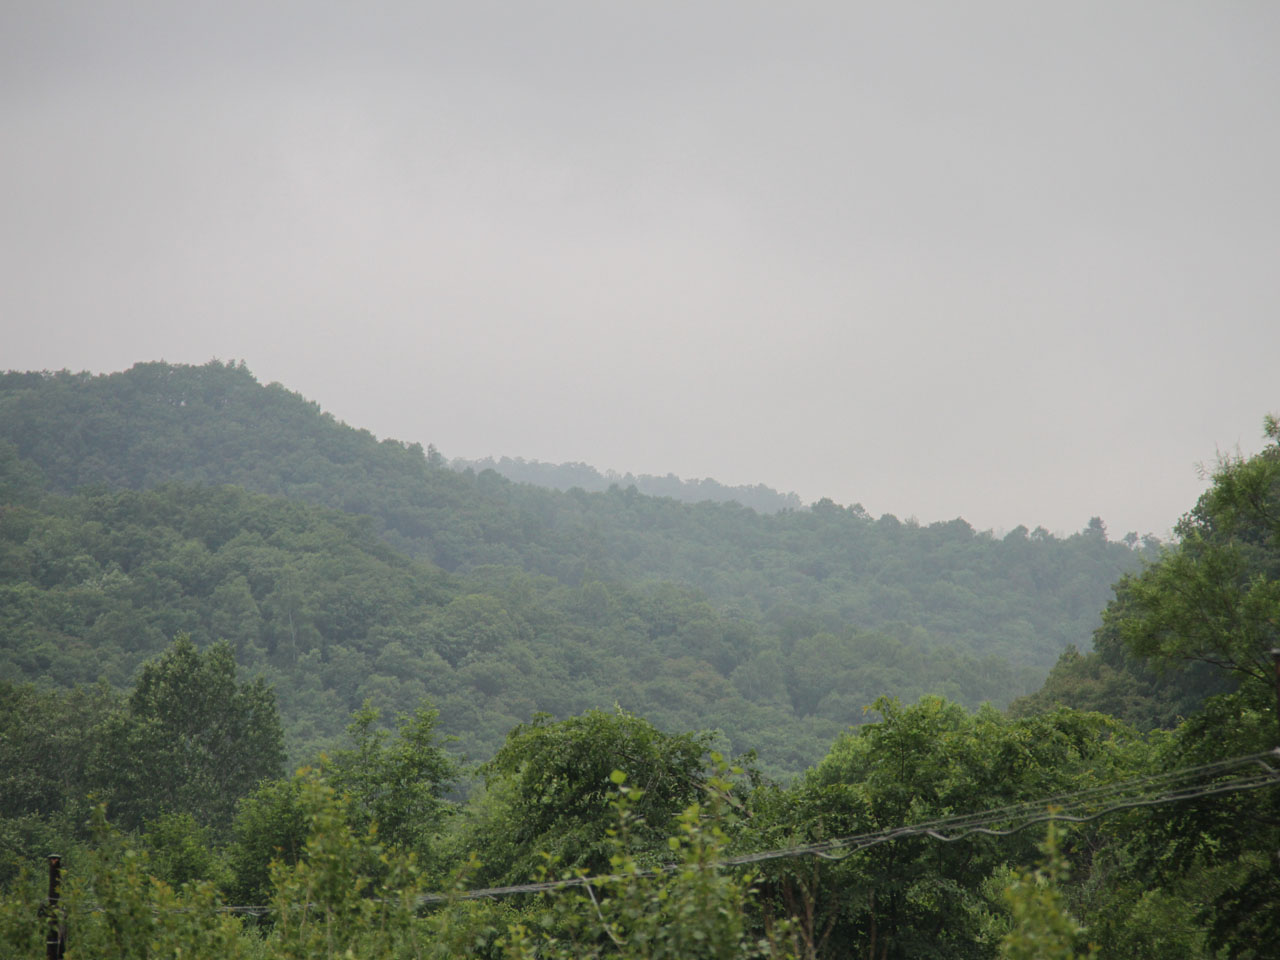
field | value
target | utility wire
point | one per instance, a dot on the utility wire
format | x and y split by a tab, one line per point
950	829
1081	806
1162	789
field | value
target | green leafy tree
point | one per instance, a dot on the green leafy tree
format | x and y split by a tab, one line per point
1209	865
914	896
46	739
116	907
346	896
1042	926
181	851
1215	598
270	825
548	791
397	782
692	909
1212	602
191	739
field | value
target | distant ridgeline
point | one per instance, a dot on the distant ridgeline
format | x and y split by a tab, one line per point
566	476
194	499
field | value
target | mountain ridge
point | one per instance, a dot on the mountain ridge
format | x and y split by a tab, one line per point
777	629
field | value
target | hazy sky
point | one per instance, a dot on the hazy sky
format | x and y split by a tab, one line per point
1016	262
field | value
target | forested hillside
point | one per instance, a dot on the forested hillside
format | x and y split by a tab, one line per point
1027	595
169	637
206	506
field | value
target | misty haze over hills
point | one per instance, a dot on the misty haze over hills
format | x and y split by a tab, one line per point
566	476
171	498
999	269
827	249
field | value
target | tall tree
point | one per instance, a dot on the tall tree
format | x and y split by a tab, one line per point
1215	598
191	738
550	786
397	782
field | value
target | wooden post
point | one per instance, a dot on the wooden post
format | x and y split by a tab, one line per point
1275	656
55	942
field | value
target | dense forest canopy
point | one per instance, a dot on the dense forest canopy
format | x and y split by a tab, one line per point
205	581
172	499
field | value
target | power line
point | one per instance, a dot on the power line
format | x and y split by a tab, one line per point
1070	808
951	829
1251	772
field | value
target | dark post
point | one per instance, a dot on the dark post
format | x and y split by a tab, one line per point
55	942
1275	656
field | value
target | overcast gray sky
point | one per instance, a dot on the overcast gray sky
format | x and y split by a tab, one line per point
1016	262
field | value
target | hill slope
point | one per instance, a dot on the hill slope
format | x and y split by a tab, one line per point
777	629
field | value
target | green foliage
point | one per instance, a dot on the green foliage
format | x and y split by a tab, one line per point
329	904
191	740
1191	637
339	891
270	825
180	851
1199	620
782	627
1109	680
21	481
396	785
551	783
46	740
690	908
1139	922
22	929
1043	929
915	896
391	787
329	583
1216	597
115	907
1206	863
